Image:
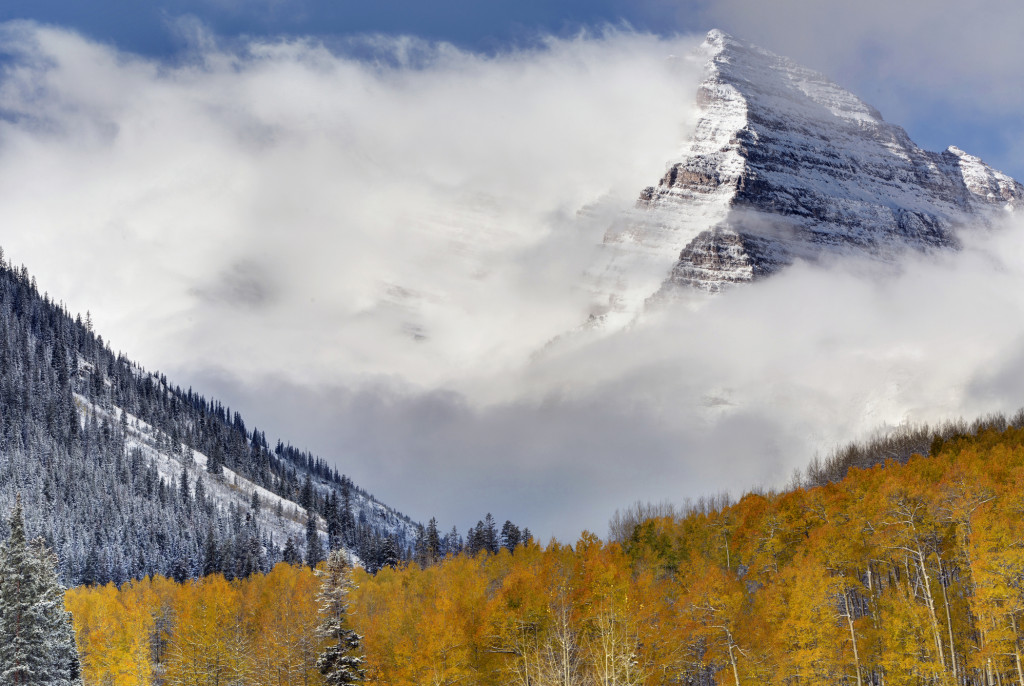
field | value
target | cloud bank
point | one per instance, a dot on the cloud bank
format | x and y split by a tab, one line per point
375	252
395	214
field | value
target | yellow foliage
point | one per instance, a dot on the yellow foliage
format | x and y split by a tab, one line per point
909	573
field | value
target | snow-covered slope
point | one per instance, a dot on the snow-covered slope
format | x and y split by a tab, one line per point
226	489
108	460
786	165
277	518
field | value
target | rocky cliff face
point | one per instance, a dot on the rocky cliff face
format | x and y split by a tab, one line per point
786	165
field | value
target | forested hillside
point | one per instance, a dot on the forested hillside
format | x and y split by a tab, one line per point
897	574
126	475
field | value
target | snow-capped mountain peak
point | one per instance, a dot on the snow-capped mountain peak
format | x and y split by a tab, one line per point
784	164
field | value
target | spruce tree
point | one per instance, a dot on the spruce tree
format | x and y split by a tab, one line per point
63	666
452	542
389	555
433	541
334	527
38	645
291	553
211	553
314	549
21	659
420	547
183	488
342	659
489	534
306	497
348	520
511	536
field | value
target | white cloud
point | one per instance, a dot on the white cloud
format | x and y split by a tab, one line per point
725	393
365	257
394	216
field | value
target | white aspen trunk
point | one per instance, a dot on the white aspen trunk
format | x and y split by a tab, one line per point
1016	650
853	636
949	624
930	603
732	659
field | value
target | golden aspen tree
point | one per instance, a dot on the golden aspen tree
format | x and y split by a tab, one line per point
716	602
283	615
207	646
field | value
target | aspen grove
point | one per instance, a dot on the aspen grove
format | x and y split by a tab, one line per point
900	574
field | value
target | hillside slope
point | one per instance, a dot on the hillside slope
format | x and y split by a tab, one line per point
127	475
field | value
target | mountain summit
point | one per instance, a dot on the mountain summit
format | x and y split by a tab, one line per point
784	165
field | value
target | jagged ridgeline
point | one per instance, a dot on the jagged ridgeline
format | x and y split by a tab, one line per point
126	475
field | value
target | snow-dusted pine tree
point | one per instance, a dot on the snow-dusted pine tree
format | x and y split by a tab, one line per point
342	659
39	643
21	658
314	548
63	666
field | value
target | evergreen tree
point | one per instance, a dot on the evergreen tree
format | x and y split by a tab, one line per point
200	495
215	462
38	645
420	547
64	664
92	572
306	496
342	660
433	541
473	539
183	487
489	534
452	542
314	549
389	555
334	525
348	520
291	553
21	660
511	536
211	553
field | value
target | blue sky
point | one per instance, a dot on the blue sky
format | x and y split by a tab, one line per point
471	24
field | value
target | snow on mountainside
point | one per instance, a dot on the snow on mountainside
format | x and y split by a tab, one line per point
126	475
277	517
786	165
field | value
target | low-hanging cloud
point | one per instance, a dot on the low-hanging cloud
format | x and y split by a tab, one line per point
721	393
392	214
381	258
